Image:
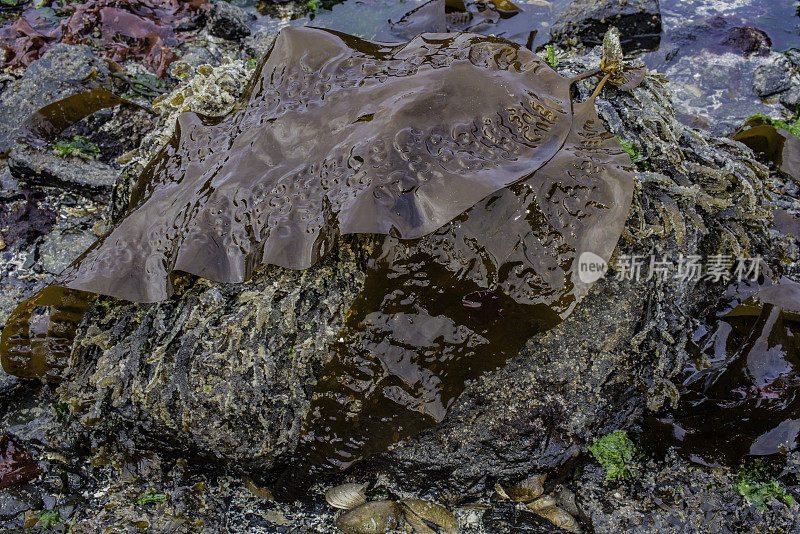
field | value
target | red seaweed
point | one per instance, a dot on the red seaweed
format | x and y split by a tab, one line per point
16	464
142	30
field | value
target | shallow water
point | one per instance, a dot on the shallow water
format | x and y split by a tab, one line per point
713	87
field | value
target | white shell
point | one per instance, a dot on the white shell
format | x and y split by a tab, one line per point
346	496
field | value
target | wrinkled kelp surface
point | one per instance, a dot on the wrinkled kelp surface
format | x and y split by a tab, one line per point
323	144
338	135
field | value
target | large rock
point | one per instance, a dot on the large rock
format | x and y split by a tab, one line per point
227	370
612	359
61	72
586	21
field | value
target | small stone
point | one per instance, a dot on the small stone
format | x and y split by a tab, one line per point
228	21
89	178
639	23
772	78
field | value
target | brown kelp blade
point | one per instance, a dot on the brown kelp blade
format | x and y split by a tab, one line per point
335	135
41	349
778	145
443	310
44	125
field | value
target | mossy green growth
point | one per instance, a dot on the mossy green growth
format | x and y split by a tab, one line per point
617	453
312	5
144	81
150	498
251	63
636	157
61	409
48	518
550	55
75	145
758	489
791	127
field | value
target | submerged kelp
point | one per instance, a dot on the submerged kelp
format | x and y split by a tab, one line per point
777	140
337	135
742	390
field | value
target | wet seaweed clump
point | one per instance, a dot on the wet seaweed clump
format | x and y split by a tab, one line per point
741	391
16	464
466	152
144	30
617	454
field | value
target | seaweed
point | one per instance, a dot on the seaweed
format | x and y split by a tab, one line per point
143	30
617	454
444	310
16	464
75	145
466	151
777	140
741	392
758	489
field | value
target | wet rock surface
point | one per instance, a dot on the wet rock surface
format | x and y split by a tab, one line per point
228	21
58	74
586	21
34	167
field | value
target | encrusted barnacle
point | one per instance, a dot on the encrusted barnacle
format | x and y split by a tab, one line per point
429	517
374	517
346	496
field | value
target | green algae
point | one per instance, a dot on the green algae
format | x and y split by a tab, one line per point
48	518
151	497
551	55
617	453
755	485
75	146
791	127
